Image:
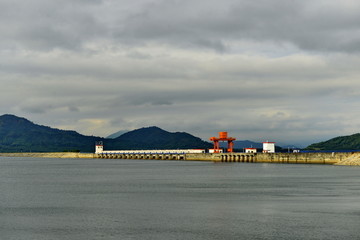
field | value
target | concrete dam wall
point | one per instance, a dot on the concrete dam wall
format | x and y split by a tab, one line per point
310	158
303	158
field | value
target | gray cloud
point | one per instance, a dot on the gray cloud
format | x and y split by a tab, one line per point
284	71
310	25
45	25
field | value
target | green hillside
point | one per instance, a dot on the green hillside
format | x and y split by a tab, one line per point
20	135
351	142
155	138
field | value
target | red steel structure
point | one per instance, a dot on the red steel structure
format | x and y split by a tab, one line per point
223	136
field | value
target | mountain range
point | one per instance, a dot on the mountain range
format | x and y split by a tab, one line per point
21	135
117	134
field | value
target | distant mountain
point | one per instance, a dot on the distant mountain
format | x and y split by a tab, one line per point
20	135
155	138
351	142
117	134
240	144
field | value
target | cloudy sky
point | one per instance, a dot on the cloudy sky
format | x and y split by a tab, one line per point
279	70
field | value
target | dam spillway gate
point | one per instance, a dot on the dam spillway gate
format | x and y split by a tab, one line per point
238	157
215	157
142	156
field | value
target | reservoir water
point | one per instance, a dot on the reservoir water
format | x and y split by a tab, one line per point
84	199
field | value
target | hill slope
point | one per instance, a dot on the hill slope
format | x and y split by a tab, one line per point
117	134
155	138
20	135
351	142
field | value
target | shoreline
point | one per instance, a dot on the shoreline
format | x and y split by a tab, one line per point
49	155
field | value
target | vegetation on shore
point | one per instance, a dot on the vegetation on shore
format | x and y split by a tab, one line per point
351	142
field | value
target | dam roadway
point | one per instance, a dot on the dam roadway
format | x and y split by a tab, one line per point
336	158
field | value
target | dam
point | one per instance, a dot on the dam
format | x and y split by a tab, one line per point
345	158
332	158
300	158
348	158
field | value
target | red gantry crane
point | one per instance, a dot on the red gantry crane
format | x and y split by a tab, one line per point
223	136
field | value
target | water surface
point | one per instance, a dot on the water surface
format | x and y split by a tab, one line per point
142	199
